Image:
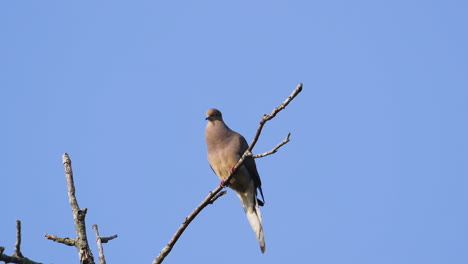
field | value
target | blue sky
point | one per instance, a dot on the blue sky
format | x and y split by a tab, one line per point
376	170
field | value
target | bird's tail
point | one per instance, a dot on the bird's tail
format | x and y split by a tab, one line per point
252	211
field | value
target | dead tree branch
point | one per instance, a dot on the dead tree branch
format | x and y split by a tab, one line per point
18	240
107	239
81	241
17	256
64	240
213	195
102	259
99	241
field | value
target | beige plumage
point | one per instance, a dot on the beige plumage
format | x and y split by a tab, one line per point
225	147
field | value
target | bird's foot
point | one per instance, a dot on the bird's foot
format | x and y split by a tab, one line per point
231	171
222	184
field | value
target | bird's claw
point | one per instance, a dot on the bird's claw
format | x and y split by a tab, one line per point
222	184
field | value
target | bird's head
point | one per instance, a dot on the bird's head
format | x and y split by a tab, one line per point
213	114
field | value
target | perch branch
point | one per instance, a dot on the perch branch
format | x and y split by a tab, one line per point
17	256
273	151
81	241
213	195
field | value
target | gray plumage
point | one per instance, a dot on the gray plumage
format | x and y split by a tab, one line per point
225	147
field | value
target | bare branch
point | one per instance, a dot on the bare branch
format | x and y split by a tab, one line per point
99	241
286	140
273	113
102	259
217	196
64	240
167	249
18	240
211	197
107	239
12	259
81	241
17	256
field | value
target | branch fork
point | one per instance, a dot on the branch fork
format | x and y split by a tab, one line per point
79	215
17	256
215	194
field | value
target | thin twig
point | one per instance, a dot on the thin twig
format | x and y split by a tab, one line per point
273	151
273	113
217	196
209	199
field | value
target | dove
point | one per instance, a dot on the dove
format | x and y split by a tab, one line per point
225	148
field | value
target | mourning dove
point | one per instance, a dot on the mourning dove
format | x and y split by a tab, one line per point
225	148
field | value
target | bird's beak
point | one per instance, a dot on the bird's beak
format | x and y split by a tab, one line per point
207	118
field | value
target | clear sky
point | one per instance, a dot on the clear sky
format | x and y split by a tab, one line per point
376	170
